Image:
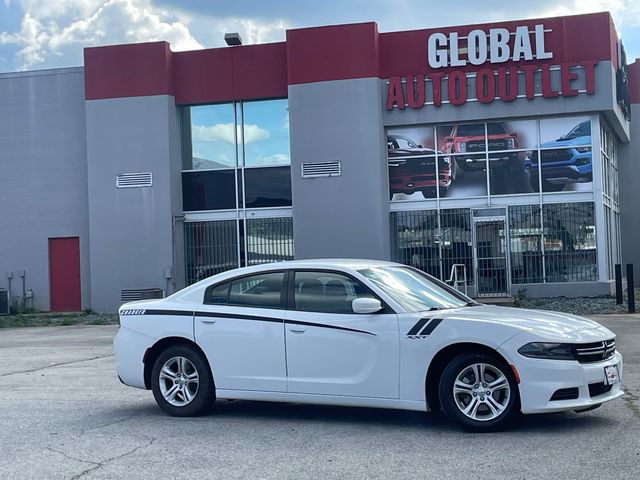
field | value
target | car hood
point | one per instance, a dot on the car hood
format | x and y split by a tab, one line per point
572	142
400	152
539	321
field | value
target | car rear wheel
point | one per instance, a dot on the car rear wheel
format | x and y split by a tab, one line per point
181	382
478	392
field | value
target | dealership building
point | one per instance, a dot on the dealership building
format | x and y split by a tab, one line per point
499	157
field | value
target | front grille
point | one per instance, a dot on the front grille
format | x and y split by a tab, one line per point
565	394
596	389
498	145
549	156
595	352
475	146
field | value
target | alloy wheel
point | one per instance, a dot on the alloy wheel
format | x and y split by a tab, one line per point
481	392
179	381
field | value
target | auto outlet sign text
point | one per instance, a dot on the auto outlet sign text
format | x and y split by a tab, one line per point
502	57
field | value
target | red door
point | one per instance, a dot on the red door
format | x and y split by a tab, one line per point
64	274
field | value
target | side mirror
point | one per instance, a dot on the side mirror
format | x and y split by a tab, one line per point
366	305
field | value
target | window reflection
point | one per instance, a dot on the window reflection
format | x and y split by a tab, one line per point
266	133
211	128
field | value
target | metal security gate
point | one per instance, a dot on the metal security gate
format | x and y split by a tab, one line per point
491	257
215	246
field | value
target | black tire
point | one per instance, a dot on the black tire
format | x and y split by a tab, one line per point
203	394
507	398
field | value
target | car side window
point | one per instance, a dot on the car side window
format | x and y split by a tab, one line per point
262	290
327	292
217	294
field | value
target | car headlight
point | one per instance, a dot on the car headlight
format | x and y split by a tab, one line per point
511	143
462	147
553	351
583	149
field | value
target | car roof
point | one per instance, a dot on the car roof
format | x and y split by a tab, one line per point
316	263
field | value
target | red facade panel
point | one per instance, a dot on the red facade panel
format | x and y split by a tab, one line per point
234	73
332	53
314	55
570	39
128	70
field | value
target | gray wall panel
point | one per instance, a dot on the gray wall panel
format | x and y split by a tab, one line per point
629	178
345	216
131	228
43	178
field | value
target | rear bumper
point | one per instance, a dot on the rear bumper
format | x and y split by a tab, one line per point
129	348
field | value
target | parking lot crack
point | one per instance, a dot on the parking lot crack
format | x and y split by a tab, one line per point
55	365
97	465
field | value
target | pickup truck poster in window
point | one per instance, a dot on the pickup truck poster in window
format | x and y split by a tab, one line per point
565	154
411	154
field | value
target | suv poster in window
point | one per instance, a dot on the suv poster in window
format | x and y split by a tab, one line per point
412	164
565	155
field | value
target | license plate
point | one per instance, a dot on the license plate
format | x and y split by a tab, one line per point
611	375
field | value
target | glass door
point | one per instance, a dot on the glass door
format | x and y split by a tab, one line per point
491	258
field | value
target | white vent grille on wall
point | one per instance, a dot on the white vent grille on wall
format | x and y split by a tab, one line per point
321	169
130	180
141	294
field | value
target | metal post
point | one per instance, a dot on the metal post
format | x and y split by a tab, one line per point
618	284
630	289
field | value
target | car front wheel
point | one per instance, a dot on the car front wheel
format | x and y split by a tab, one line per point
478	392
181	382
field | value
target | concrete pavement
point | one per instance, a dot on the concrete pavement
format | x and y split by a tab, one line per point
66	416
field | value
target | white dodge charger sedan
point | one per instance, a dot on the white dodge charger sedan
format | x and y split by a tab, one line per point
361	333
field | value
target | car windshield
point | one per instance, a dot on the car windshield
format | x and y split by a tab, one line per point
471	130
581	130
414	290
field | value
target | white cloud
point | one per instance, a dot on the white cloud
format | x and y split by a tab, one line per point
223	132
61	28
624	12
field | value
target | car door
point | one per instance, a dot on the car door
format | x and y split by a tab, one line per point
330	349
241	331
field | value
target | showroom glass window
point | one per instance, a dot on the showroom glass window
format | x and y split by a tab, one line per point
471	160
236	185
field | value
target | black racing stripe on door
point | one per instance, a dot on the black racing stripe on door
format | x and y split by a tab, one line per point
431	326
419	324
183	313
334	327
239	317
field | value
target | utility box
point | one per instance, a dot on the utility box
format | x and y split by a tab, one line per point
4	301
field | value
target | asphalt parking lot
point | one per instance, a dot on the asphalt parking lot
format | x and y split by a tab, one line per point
66	416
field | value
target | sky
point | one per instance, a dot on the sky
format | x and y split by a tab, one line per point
38	34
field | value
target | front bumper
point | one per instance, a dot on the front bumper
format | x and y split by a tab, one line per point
540	379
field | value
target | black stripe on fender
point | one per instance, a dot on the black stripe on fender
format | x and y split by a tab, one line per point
183	313
239	317
431	326
334	327
416	328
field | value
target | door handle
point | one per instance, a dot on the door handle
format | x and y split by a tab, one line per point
208	322
297	330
